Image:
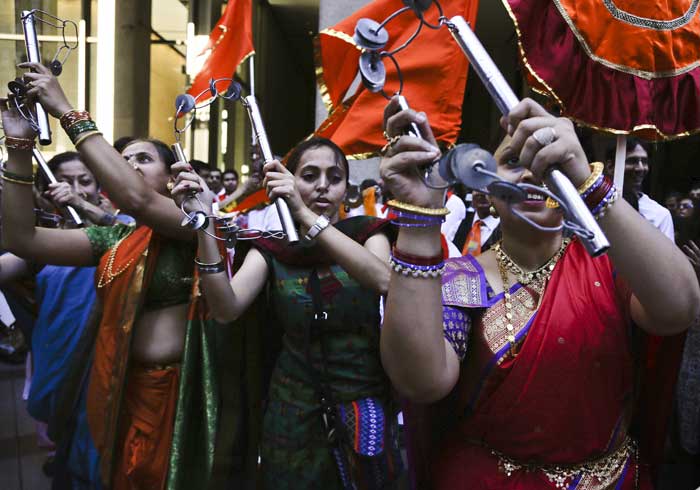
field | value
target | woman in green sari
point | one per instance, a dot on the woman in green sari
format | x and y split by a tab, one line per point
328	397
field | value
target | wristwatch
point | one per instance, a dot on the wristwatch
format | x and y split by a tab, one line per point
320	225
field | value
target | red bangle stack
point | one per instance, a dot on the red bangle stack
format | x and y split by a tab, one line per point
416	259
19	143
597	196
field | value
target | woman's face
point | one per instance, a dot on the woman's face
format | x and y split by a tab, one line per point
321	181
80	179
534	207
145	159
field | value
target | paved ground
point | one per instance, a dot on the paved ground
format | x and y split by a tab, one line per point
20	457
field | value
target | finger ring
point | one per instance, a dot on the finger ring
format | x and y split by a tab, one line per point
545	136
390	144
170	185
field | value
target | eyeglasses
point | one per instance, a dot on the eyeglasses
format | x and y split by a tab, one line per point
637	160
685	205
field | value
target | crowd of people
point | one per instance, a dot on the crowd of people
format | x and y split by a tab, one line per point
414	338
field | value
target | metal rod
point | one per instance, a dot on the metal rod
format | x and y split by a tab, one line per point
179	152
48	174
34	56
505	99
259	130
413	129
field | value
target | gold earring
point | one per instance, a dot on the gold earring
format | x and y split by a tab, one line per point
493	212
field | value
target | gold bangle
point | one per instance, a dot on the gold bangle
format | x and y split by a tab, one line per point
84	136
411	208
596	172
16	181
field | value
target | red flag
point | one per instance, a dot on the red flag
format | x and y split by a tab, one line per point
230	43
433	66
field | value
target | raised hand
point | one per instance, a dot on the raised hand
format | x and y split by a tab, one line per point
542	140
44	86
13	124
281	183
400	164
187	184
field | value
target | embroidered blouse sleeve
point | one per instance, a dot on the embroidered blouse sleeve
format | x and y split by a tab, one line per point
102	238
456	325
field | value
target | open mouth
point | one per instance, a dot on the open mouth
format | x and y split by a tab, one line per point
535	197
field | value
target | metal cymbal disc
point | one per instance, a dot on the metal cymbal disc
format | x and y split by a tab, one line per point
17	87
194	221
369	35
373	71
56	68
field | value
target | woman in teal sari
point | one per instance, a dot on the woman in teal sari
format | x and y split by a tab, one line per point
328	396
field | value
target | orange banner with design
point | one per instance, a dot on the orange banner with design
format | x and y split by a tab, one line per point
434	71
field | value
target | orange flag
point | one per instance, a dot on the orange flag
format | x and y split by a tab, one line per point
230	43
433	66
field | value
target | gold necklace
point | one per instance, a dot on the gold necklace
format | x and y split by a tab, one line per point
526	277
108	270
538	276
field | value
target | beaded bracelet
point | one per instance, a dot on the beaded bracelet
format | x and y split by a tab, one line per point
19	143
416	259
599	181
604	203
411	208
417	271
591	181
607	203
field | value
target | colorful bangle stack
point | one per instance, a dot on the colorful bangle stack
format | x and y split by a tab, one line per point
17	178
410	216
592	182
78	126
416	266
606	203
19	143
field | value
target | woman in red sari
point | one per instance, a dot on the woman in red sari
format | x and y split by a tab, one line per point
528	346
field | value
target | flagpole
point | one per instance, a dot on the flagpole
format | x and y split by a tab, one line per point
251	80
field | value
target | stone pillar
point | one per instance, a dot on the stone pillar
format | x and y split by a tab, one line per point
132	54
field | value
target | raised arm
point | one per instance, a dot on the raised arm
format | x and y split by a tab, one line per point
125	186
419	361
368	264
666	295
227	300
19	234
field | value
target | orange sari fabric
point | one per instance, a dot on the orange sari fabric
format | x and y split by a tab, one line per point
150	401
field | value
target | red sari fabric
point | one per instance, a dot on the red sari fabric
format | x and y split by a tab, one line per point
150	401
566	398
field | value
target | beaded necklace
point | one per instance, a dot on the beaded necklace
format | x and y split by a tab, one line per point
538	278
108	270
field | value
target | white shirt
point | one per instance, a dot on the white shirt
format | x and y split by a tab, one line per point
264	219
488	226
458	211
657	215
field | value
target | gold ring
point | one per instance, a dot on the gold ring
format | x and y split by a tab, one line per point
170	185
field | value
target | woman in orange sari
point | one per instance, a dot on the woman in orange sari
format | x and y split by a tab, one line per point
529	346
144	282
